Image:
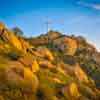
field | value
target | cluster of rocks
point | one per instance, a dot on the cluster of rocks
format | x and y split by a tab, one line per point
36	74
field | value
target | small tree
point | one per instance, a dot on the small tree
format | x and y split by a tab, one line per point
17	31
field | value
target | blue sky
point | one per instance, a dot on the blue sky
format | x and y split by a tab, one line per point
78	17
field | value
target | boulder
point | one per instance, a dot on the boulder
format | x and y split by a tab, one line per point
35	66
96	57
14	40
76	71
45	53
73	89
2	26
30	62
46	64
15	74
53	35
31	79
25	45
80	74
27	60
66	44
9	37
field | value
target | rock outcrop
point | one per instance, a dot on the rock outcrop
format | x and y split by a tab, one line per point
7	36
66	44
45	53
57	67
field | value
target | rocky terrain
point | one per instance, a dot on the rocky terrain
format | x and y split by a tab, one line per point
51	66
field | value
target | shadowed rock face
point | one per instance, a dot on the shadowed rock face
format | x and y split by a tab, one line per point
58	67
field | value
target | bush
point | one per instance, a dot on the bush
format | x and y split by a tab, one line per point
92	70
64	78
69	60
46	87
12	53
87	92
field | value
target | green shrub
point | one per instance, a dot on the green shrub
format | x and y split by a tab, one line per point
46	86
65	78
69	60
12	53
87	92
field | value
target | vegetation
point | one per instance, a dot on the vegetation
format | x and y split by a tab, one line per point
18	31
12	53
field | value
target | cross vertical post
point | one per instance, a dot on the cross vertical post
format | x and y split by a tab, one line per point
48	26
48	23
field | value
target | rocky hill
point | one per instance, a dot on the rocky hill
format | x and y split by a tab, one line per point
51	66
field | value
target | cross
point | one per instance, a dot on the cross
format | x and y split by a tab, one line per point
48	23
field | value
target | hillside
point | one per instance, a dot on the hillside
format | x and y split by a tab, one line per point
52	66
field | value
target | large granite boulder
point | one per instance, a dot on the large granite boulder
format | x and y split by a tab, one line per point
17	75
30	62
66	44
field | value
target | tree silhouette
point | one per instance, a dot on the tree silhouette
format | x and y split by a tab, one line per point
17	31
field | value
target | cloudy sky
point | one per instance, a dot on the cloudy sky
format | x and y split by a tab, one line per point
79	17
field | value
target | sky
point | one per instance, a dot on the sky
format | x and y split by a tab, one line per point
78	17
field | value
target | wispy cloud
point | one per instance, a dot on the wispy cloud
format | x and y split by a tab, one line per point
97	7
89	5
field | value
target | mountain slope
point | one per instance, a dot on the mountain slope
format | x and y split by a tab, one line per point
49	67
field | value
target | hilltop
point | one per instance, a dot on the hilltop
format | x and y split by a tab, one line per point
52	66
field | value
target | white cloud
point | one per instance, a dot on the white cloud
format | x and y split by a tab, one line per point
89	5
